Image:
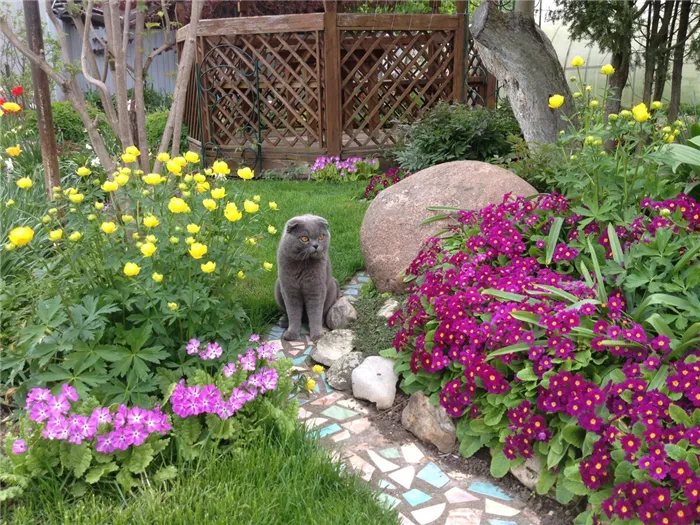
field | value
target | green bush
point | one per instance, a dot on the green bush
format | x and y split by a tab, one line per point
153	100
67	123
451	132
155	126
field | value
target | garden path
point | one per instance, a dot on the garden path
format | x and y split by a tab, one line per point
409	475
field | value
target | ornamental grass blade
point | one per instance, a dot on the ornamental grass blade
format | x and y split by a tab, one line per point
687	256
519	347
600	285
552	239
615	247
506	296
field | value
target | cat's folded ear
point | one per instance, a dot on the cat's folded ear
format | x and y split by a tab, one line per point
323	222
293	223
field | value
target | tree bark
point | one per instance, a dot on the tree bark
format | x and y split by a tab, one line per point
664	52
138	105
618	80
116	36
649	63
678	52
530	71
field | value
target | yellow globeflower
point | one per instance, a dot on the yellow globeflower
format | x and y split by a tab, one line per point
188	178
250	241
272	205
99	205
24	183
256	198
220	168
128	158
612	117
318	369
577	61
669	139
556	101
132	150
209	267
607	69
13	151
310	385
153	179
52	211
657	104
75	236
250	206
173	167
21	235
148	249
157	277
218	193
189	240
594	103
625	113
135	236
150	221
76	198
181	161
202	187
209	204
90	217
193	228
271	230
172	306
186	194
11	202
174	240
11	107
56	235
245	173
198	250
240	275
46	219
267	266
198	177
640	113
83	171
125	171
151	238
127	219
108	227
163	157
121	179
192	157
177	205
110	185
232	213
9	246
131	269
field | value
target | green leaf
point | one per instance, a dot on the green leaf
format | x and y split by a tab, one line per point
76	458
141	457
660	325
679	415
563	495
546	481
600	283
470	445
389	353
126	480
165	474
615	247
623	471
683	261
659	378
519	347
665	300
552	239
675	452
557	292
95	473
526	317
506	296
574	434
527	374
554	457
500	465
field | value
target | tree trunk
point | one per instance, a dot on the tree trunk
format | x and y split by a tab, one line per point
678	52
664	52
618	80
117	34
530	71
138	104
649	63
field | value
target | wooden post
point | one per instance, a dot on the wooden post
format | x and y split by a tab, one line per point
491	87
460	45
334	120
42	99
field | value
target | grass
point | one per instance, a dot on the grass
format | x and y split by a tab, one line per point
337	203
277	481
372	334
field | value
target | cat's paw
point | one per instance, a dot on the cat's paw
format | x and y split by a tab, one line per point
283	322
290	335
316	337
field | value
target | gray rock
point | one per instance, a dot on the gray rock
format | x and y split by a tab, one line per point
341	315
375	380
339	375
528	472
388	308
429	423
332	346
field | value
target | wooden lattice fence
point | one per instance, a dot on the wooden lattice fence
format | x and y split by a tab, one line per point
324	84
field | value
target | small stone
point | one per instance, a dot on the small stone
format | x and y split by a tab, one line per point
375	380
341	315
388	308
332	346
339	375
429	423
528	472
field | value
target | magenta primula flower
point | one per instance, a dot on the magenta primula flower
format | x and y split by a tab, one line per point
19	446
229	369
193	346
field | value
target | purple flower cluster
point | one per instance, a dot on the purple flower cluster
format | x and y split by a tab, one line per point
344	167
380	182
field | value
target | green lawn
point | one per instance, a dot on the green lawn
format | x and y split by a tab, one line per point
337	203
275	482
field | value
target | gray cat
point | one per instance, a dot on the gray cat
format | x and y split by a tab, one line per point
305	280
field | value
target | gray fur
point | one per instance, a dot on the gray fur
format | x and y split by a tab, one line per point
305	280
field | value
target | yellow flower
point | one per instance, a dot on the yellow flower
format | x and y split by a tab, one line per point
198	177
121	179
46	219
209	204
612	117
267	266
24	183
128	158
271	230
310	385
110	185
220	168
13	151
640	112
172	306
57	190
52	211
209	172
202	187
245	173
250	241
607	69
625	113
135	236
240	275
132	150
138	173
577	61
556	101
151	238
148	249
182	186
667	129
218	193
657	105
131	269
578	94
232	213
189	240
177	205
153	179
193	228
157	277
75	236
83	171
594	103
188	178
589	88
21	235
670	138
272	205
181	161
76	198
9	246
163	157
174	240
250	206
127	219
209	267
173	167
12	107
192	157
186	194
198	250
145	193
150	221
99	205
318	369
256	198
56	235
676	132
90	217
108	227
11	202
125	171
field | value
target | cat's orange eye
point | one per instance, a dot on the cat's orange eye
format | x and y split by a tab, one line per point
304	239
321	237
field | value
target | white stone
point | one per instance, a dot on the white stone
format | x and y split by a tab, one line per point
341	315
388	308
332	346
375	380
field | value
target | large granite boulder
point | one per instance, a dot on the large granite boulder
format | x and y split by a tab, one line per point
429	423
392	230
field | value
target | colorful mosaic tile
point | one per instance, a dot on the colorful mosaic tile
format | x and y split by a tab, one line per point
499	509
416	497
383	464
489	489
329	399
502	522
384	484
339	413
389	501
341	437
428	514
330	429
464	517
358	425
390	453
404	477
412	453
432	474
366	470
457	495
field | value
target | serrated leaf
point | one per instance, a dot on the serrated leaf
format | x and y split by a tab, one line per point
95	473
679	415
141	457
126	480
165	474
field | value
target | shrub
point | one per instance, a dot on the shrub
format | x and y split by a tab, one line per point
155	126
383	181
451	132
332	169
67	123
153	100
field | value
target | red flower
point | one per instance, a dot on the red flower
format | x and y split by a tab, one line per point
2	101
17	91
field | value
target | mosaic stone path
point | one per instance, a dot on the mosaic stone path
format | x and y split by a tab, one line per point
407	474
